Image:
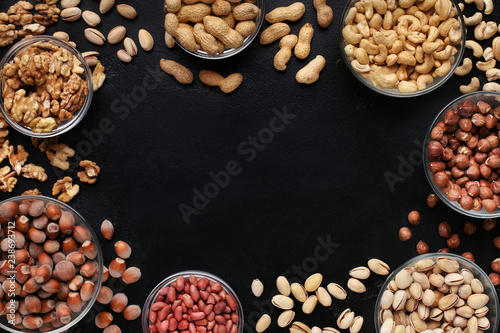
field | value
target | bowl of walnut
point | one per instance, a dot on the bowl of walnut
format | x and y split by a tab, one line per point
46	86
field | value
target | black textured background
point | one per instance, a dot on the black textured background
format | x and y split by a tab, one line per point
321	179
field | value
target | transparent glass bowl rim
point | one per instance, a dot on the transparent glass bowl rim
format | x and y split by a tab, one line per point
462	261
22	46
394	92
454	205
154	293
100	261
231	52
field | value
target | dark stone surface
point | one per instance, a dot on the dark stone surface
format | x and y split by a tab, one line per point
322	178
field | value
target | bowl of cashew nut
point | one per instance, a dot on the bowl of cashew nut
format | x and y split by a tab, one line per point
402	48
46	86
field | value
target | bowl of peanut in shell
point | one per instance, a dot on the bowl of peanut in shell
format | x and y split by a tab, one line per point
46	86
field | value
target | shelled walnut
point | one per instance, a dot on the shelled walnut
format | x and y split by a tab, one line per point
91	171
43	86
47	15
66	189
34	171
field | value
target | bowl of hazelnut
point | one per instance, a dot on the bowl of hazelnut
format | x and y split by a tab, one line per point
46	86
51	268
462	155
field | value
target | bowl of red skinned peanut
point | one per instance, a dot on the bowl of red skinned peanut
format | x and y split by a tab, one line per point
51	266
462	155
402	48
193	301
46	86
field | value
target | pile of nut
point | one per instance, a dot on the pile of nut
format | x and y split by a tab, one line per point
346	320
483	31
434	294
402	44
43	87
453	240
53	260
301	45
464	157
194	304
118	302
212	28
20	14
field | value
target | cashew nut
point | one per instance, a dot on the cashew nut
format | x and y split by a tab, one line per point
488	54
433	34
419	54
443	69
416	37
351	14
445	27
407	87
385	80
402	72
380	6
391	59
426	66
387	21
406	58
485	65
445	54
496	48
349	50
396	14
424	20
426	5
443	8
367	4
485	30
434	20
361	56
422	81
479	3
415	22
491	86
477	50
396	47
408	47
455	33
382	55
493	74
406	3
351	34
359	67
385	37
376	21
471	87
363	29
392	4
474	19
431	47
488	7
465	68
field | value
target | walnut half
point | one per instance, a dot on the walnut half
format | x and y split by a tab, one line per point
66	188
91	171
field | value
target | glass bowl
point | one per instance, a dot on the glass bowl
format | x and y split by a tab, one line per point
478	273
369	82
493	98
97	280
259	19
198	274
66	125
